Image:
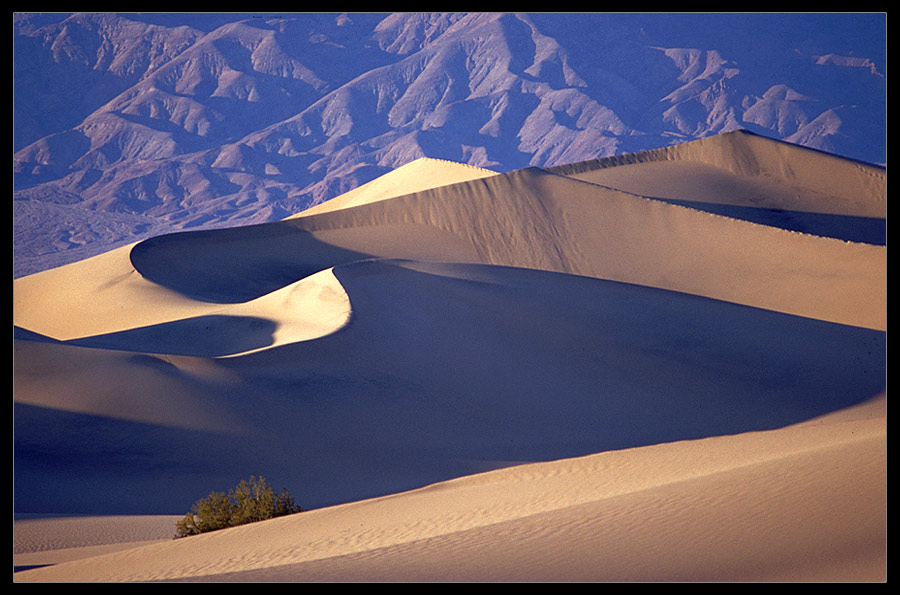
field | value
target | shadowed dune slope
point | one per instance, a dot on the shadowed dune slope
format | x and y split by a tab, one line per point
444	369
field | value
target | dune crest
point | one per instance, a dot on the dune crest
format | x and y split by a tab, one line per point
422	174
745	169
313	307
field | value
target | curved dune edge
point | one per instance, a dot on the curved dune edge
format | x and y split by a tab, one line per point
676	511
308	309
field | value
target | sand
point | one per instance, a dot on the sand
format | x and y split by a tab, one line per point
573	374
631	515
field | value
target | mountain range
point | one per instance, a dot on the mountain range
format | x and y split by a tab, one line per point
132	125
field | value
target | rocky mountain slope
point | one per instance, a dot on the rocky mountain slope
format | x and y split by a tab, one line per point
130	125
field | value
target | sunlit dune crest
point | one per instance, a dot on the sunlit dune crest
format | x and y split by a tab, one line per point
744	169
665	366
422	174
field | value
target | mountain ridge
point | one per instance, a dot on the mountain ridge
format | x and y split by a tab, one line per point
260	118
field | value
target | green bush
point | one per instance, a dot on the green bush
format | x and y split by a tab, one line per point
250	501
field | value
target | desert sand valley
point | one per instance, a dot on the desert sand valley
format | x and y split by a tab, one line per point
661	366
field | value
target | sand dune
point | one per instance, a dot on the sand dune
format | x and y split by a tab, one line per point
744	169
631	515
598	378
743	176
422	174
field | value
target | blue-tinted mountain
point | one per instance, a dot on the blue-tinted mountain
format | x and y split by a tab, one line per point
130	125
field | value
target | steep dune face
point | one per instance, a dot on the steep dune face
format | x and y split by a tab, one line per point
743	169
446	320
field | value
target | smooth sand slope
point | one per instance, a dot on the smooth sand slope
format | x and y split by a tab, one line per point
631	515
712	376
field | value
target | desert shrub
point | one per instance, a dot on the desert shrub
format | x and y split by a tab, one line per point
250	501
